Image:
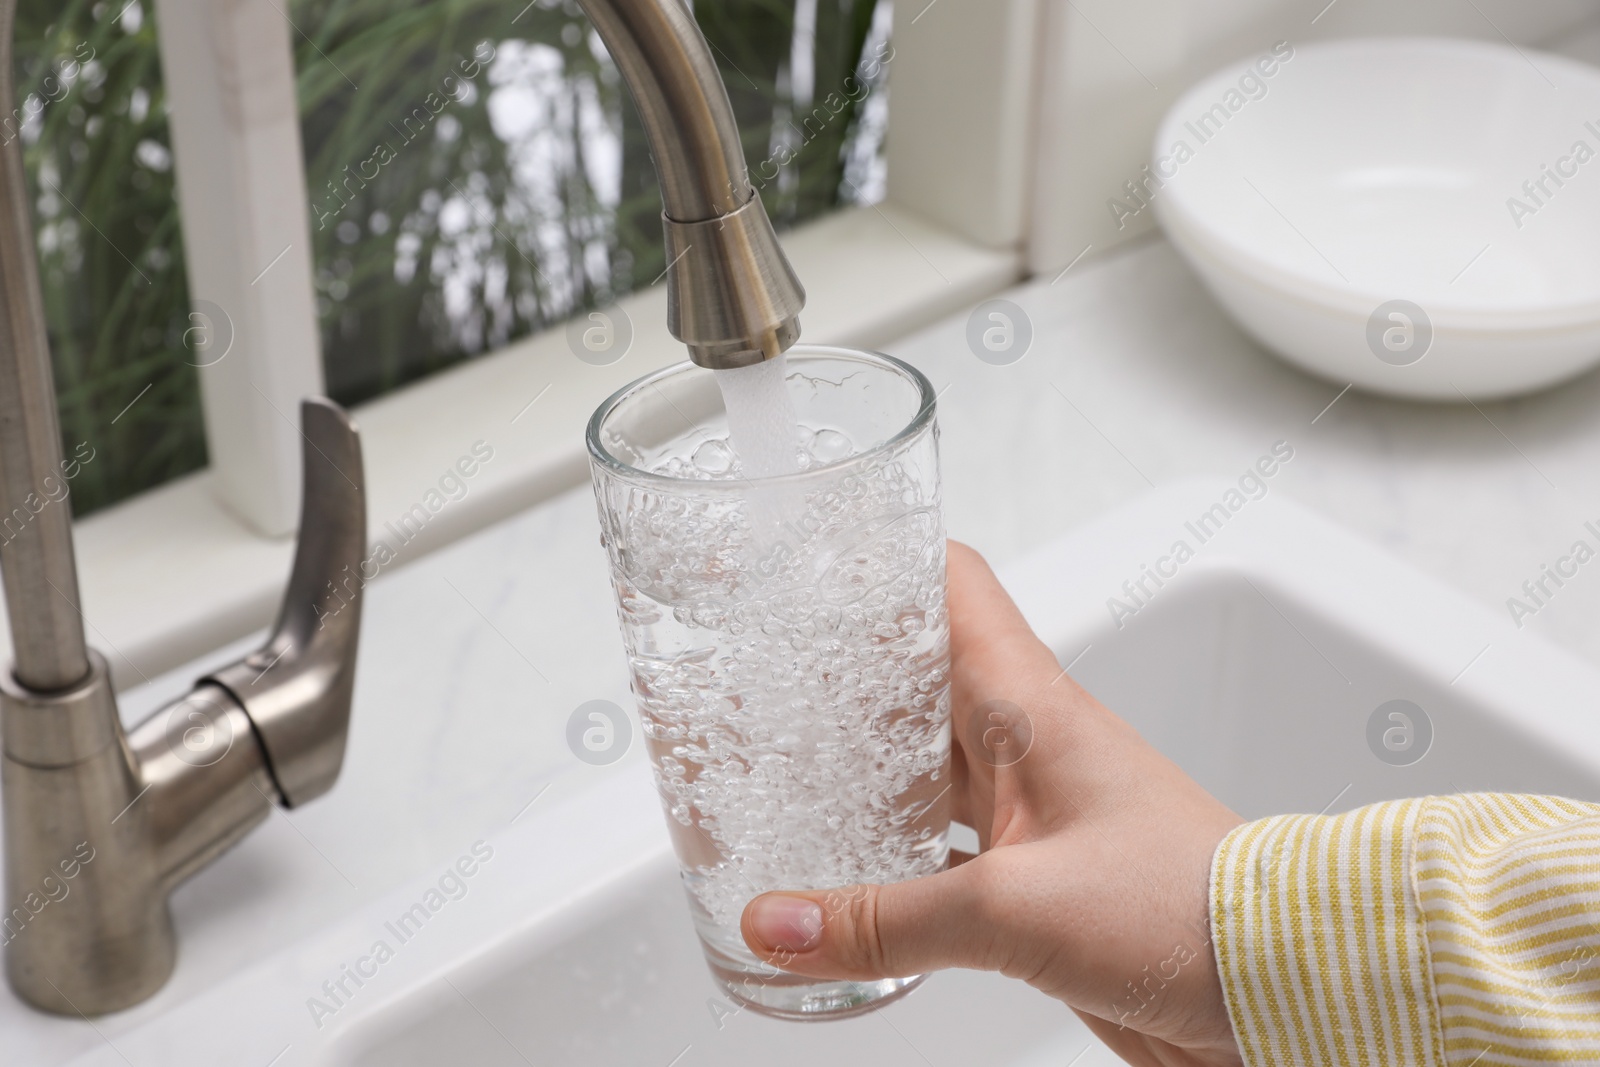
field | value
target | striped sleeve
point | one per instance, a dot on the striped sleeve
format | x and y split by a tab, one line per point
1448	932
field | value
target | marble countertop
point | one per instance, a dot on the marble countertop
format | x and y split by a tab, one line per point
473	658
1137	378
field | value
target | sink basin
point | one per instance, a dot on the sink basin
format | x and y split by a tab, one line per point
1260	667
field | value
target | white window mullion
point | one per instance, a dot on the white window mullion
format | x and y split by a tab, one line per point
228	67
962	90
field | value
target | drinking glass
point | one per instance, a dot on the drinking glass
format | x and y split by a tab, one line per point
789	645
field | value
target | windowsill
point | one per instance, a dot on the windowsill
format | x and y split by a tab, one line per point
170	575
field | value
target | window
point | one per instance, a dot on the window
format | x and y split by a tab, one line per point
487	179
477	176
246	110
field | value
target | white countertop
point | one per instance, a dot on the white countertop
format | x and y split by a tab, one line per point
1166	387
474	657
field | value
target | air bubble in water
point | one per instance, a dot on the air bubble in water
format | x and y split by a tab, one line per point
714	457
830	446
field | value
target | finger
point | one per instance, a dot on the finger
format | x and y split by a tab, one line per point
957	857
867	932
1000	677
990	641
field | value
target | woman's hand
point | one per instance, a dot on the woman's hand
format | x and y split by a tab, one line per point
1092	884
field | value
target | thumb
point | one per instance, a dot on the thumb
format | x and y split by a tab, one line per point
866	932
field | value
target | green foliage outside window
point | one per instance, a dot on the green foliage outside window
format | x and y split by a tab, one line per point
93	123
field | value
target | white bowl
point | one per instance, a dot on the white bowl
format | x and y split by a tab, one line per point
1414	216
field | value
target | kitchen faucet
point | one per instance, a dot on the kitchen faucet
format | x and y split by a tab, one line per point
101	822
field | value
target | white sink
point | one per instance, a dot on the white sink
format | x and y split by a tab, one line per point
1258	667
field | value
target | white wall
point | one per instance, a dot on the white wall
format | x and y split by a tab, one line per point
1111	68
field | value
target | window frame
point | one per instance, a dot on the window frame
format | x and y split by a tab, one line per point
189	566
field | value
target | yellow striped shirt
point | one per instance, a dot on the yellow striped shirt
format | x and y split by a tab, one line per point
1447	932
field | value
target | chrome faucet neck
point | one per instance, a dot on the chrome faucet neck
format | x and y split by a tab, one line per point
36	560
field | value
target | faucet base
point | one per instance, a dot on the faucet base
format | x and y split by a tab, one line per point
86	928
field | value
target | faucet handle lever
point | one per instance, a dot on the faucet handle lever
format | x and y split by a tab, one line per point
296	688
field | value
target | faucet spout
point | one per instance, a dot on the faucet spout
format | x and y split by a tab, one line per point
732	296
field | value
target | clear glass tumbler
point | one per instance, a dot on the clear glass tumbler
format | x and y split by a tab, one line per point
789	645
